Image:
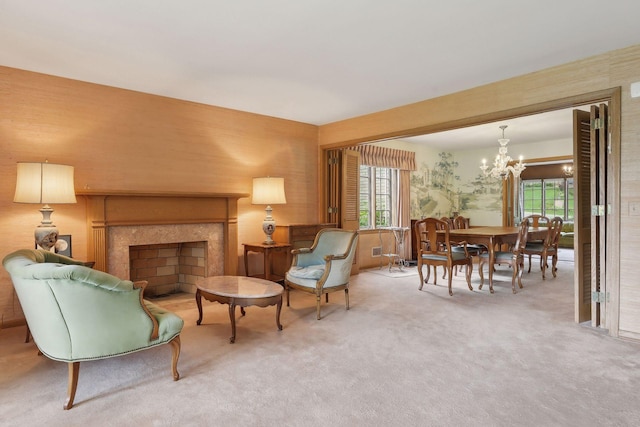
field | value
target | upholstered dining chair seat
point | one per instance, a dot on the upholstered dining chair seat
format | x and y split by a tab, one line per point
471	249
455	256
535	246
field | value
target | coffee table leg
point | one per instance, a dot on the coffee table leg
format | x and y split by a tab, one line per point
232	316
199	303
278	313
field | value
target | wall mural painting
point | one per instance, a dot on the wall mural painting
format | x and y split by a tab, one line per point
444	188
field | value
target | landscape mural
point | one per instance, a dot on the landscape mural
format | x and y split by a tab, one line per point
444	186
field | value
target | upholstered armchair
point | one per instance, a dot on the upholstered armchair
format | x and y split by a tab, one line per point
324	267
77	314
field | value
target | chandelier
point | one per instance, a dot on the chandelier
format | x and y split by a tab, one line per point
503	164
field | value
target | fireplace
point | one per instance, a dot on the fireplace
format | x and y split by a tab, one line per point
120	220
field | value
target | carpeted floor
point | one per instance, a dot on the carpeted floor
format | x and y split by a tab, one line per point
399	357
394	271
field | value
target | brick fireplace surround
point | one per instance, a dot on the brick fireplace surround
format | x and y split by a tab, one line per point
199	228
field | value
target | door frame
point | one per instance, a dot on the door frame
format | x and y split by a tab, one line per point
612	96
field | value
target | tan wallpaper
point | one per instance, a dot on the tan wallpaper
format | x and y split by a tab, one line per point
123	140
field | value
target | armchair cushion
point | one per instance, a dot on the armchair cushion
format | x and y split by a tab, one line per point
309	272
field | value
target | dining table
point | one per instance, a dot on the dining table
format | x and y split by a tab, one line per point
493	236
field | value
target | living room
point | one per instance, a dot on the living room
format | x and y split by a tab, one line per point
126	140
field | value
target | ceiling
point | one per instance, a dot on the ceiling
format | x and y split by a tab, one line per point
313	61
543	127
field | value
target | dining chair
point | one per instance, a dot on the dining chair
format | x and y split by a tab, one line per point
462	223
548	247
434	249
536	220
514	258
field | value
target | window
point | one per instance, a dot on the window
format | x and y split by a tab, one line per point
549	197
378	195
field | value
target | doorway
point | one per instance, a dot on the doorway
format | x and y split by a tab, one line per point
608	264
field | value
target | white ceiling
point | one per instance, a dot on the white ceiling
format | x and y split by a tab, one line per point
544	127
314	61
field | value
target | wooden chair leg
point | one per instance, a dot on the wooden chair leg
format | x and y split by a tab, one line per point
74	371
346	297
318	298
175	354
520	270
26	340
468	270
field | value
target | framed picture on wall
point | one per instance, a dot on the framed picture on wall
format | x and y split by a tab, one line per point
63	245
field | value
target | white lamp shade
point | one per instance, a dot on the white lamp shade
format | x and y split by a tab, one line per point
268	191
44	183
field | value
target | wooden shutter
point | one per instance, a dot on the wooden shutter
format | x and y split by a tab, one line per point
332	162
582	217
350	191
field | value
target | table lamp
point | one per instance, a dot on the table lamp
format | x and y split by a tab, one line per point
45	183
268	191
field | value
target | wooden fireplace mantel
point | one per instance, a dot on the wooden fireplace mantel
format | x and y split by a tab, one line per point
107	208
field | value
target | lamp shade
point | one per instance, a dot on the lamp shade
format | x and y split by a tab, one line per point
268	191
44	183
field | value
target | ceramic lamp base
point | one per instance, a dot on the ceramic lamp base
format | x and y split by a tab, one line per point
268	226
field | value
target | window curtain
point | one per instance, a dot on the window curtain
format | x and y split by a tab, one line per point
404	210
405	162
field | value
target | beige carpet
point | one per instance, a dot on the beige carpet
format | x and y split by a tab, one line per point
394	272
399	357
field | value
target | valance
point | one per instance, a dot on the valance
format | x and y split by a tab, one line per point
383	157
545	171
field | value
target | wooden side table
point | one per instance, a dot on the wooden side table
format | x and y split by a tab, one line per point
267	251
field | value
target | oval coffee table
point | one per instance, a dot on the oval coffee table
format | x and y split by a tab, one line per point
238	291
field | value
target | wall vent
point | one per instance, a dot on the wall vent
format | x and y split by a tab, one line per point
376	251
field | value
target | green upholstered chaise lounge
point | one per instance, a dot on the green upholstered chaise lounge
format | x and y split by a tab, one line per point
77	314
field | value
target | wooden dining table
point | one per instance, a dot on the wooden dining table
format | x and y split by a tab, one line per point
493	236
